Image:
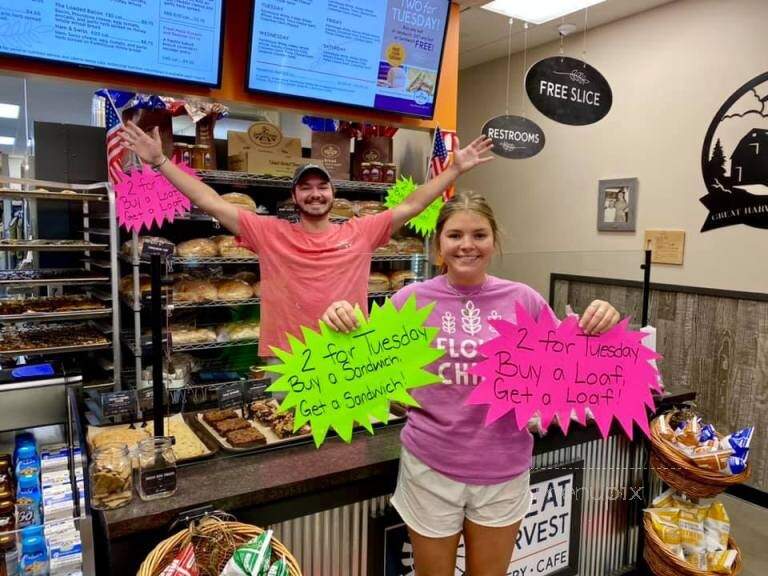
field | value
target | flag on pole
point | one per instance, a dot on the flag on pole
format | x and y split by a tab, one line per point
114	150
441	156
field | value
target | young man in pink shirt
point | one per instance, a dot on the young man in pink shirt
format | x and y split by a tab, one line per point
306	265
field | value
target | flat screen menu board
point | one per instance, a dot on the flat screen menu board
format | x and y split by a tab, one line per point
379	54
177	39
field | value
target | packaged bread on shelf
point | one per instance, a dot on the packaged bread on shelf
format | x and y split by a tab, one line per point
411	246
140	243
369	207
233	331
194	291
400	278
126	284
247	276
181	335
240	200
197	248
378	282
233	289
342	208
229	248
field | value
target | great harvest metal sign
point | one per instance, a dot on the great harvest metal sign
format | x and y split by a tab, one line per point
514	137
568	91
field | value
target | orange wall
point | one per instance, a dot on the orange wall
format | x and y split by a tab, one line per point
235	54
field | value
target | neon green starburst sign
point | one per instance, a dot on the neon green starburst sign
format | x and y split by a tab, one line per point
426	222
334	380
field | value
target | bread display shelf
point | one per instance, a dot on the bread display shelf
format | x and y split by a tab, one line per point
57	349
51	316
397	258
50	245
146	302
247	180
196	261
385	294
146	344
45	277
8	194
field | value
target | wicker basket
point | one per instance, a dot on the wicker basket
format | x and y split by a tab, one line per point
663	563
680	473
202	535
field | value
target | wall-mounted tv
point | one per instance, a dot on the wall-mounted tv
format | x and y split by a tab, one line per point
171	39
377	54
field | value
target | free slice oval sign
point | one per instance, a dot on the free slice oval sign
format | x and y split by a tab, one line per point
568	91
514	137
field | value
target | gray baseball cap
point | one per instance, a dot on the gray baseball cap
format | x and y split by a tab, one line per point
302	171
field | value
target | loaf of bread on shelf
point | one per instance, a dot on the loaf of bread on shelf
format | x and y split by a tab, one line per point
190	290
229	248
342	208
411	246
378	282
247	276
389	249
247	330
233	289
241	200
369	207
400	278
197	248
256	286
188	335
126	284
140	243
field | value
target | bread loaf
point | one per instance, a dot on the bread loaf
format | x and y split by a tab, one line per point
197	248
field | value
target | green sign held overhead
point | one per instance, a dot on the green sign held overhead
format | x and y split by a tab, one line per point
426	222
334	380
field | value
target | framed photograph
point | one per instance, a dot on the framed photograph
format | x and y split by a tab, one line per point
617	205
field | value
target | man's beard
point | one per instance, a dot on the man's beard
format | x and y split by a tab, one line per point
314	216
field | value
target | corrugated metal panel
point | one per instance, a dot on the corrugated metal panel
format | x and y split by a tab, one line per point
335	542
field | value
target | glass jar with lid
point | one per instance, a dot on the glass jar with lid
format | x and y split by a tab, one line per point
157	468
111	476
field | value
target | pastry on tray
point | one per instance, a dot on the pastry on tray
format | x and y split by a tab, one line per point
245	437
230	425
264	410
219	415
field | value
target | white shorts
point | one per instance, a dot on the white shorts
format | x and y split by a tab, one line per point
435	506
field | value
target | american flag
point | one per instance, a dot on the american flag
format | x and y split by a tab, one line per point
440	157
114	150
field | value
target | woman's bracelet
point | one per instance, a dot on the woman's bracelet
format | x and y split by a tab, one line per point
156	167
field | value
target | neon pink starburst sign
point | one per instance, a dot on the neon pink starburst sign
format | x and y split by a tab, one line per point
552	369
146	198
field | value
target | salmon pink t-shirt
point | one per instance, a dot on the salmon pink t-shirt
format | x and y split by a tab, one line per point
303	272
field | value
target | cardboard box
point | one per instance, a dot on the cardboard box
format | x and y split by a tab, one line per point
332	150
371	149
256	162
264	138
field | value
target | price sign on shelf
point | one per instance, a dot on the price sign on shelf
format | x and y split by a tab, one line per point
146	198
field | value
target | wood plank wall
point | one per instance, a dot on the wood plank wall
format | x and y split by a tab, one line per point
714	342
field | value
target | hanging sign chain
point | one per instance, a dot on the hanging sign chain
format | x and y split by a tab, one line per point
509	63
584	49
525	68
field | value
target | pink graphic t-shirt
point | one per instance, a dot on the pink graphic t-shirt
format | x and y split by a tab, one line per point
446	434
303	272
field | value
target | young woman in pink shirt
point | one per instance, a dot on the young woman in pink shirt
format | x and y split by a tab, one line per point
458	476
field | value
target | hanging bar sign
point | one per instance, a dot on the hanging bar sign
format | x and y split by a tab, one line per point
568	91
514	137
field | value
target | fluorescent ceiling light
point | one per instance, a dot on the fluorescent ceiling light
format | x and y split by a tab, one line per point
7	140
9	111
538	11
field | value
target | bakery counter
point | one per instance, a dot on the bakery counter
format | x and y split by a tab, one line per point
286	485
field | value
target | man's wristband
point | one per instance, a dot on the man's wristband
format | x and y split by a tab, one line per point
156	167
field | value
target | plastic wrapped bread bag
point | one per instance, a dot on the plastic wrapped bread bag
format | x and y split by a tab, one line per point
279	568
183	564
